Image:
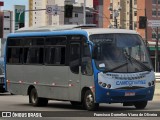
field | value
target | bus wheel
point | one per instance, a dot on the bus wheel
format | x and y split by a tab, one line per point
74	103
140	105
88	101
35	100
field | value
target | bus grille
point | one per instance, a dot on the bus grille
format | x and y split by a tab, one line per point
2	80
128	98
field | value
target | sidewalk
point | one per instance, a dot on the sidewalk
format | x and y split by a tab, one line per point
157	89
156	98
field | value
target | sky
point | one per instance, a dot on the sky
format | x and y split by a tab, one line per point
8	5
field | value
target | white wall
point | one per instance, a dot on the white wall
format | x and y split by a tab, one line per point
7	26
39	17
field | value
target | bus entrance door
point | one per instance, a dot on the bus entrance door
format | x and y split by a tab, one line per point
74	71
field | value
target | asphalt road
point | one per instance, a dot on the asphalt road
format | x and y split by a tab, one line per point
20	103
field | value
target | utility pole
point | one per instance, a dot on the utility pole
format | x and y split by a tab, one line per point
156	53
146	40
84	12
131	16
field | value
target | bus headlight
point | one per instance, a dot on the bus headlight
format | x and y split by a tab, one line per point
109	85
104	85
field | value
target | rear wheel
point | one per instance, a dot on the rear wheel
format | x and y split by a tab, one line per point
35	100
140	105
89	102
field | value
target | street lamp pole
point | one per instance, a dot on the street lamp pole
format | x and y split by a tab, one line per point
156	53
84	12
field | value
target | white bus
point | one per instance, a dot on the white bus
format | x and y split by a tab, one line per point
79	65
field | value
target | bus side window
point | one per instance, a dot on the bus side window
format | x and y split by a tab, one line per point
74	57
86	68
15	51
34	51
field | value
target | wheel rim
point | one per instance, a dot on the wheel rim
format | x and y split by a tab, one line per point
89	100
34	97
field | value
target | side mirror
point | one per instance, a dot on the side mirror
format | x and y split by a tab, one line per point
96	53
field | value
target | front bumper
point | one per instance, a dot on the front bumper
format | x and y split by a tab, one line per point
118	96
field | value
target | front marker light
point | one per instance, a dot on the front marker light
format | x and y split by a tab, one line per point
109	85
100	83
104	85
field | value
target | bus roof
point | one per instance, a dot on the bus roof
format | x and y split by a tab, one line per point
109	30
66	30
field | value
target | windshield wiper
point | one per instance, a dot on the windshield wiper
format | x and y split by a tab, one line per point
132	59
115	68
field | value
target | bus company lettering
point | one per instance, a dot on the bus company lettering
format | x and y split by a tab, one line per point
131	83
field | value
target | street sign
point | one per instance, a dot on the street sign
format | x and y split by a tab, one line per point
19	15
52	10
154	23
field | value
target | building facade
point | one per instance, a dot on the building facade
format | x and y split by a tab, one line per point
6	27
41	18
125	14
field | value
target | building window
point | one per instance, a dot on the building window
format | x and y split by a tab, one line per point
154	12
159	2
6	16
158	13
153	35
154	1
6	29
111	16
135	13
76	14
135	25
135	2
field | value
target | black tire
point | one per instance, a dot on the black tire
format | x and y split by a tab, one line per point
74	103
140	105
35	100
89	102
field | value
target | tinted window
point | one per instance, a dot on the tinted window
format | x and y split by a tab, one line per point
56	41
33	55
15	42
86	61
34	41
74	57
14	55
34	51
55	55
55	50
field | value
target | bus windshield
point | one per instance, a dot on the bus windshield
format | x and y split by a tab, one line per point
121	53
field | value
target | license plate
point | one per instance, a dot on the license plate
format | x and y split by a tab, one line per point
130	94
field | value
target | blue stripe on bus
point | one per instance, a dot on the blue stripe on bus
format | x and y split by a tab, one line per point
49	33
